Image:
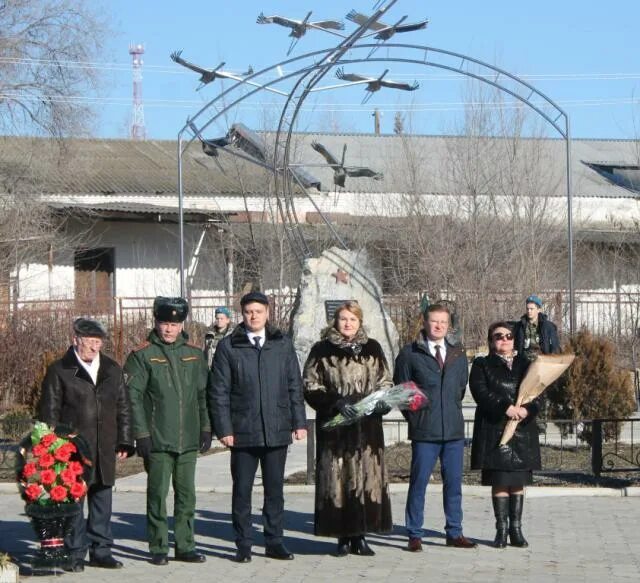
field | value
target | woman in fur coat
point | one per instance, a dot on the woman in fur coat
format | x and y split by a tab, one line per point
352	494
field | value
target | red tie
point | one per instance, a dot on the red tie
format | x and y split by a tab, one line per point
439	356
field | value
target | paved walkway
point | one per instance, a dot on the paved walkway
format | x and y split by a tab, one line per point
572	539
576	534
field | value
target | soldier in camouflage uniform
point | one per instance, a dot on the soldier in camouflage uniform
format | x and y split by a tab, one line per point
167	379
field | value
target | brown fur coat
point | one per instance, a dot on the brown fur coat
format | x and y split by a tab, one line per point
352	494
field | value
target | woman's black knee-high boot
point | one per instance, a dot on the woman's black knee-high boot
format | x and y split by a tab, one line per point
516	502
501	511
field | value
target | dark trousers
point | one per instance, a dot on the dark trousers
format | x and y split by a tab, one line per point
161	468
424	455
244	463
94	533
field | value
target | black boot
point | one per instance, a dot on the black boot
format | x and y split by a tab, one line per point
516	502
344	545
359	546
501	511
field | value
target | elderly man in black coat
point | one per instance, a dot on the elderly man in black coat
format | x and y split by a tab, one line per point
86	390
256	406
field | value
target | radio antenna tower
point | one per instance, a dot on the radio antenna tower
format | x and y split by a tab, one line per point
137	119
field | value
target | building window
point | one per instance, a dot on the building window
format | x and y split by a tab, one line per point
94	279
626	176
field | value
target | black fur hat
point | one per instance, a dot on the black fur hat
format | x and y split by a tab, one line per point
170	309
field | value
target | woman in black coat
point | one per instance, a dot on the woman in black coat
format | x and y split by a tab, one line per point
494	382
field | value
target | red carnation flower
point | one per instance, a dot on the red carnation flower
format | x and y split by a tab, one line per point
46	460
29	469
75	467
39	450
63	453
78	490
418	401
48	477
48	439
33	491
58	493
68	477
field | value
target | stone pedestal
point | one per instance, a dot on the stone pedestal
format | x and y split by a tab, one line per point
327	281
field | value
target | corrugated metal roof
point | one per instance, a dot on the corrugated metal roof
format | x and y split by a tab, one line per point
423	164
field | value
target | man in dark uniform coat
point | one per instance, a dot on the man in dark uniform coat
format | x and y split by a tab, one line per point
167	379
85	389
257	405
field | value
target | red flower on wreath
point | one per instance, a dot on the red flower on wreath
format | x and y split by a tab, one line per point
58	493
39	450
33	491
47	477
68	477
76	468
28	470
63	453
48	439
78	490
46	460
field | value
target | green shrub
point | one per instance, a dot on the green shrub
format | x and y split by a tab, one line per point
594	387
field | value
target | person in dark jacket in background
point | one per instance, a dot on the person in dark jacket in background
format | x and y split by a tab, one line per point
534	332
256	405
167	379
85	390
437	431
494	383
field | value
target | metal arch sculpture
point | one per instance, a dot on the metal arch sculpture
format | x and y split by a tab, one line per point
308	77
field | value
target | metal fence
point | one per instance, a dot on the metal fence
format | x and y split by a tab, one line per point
567	447
33	332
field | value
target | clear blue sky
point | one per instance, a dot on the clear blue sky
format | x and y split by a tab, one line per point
582	54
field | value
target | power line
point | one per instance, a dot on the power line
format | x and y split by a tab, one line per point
174	70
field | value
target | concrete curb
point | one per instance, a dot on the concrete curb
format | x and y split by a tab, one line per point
468	491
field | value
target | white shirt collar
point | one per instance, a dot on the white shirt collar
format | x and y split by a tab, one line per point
432	347
91	367
260	334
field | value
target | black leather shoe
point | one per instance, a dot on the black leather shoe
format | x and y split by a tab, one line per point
192	557
359	546
343	547
279	552
243	556
159	560
74	566
105	563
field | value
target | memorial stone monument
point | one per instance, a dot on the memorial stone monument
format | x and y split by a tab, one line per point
327	281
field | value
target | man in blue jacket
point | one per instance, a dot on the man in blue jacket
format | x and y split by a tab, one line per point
437	431
534	332
257	406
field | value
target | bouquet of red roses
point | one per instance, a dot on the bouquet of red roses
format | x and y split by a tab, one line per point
50	466
405	396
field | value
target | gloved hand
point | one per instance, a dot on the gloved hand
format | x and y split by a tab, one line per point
381	408
348	411
205	441
143	447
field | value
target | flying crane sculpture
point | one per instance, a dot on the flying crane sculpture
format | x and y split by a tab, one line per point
375	84
209	75
300	27
340	171
386	31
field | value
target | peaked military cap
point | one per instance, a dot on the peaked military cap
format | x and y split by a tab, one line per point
254	297
170	309
88	327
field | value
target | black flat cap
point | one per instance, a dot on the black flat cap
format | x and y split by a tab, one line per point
254	297
88	327
170	309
